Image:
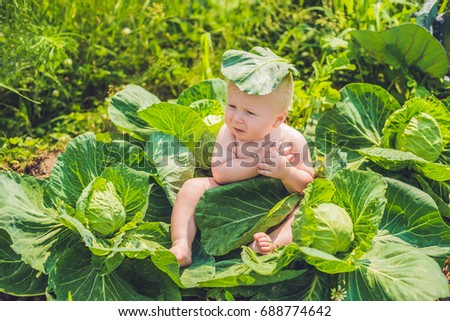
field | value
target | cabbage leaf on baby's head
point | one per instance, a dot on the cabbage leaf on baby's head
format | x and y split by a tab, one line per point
257	72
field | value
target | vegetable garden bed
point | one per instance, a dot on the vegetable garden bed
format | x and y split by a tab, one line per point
97	228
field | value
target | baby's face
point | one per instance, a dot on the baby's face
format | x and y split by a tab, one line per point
251	117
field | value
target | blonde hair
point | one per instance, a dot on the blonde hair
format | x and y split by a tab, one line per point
286	90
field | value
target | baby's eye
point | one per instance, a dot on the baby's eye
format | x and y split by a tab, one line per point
251	113
232	106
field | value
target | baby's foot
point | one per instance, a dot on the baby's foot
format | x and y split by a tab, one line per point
263	243
182	252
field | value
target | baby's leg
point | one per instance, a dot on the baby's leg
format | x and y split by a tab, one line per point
266	243
183	227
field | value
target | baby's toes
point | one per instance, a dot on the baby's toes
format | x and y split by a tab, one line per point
259	236
266	247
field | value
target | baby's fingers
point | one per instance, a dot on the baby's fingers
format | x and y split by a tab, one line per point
267	166
264	169
265	173
287	150
290	157
274	153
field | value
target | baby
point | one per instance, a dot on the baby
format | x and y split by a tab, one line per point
253	141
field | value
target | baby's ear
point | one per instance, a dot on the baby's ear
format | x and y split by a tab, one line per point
280	119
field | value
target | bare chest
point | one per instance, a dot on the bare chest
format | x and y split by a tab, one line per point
245	149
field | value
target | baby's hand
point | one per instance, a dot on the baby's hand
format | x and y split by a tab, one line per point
287	152
276	165
264	153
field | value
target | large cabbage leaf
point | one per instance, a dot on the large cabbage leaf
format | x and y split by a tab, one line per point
309	286
33	227
74	275
396	160
356	121
397	272
234	272
406	46
257	72
206	98
412	216
174	162
211	89
16	277
186	125
201	269
237	211
123	109
273	262
159	206
439	191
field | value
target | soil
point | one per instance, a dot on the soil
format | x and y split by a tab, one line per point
41	166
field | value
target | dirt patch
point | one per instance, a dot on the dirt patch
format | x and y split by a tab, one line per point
41	166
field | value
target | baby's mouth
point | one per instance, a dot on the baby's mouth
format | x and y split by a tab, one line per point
239	130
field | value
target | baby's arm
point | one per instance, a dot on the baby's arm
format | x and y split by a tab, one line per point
295	173
226	166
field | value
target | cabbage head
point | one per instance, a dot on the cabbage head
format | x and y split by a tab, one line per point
333	230
421	126
422	137
102	207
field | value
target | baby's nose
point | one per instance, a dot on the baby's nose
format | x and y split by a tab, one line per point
238	118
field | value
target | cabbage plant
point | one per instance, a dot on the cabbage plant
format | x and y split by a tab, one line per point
404	47
409	142
399	242
80	228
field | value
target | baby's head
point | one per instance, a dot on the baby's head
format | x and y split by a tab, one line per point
282	96
260	91
280	100
252	117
